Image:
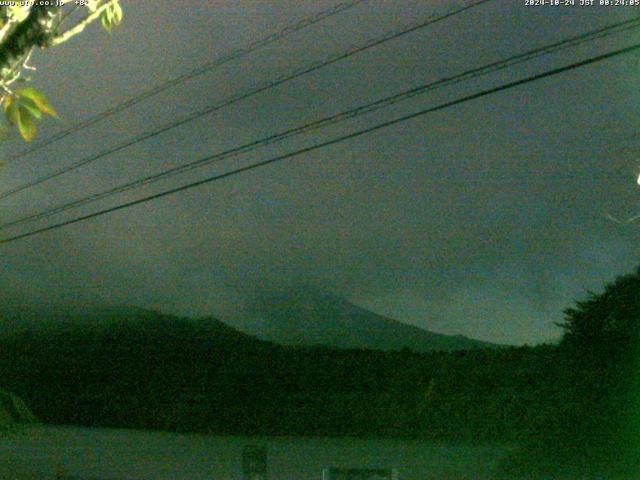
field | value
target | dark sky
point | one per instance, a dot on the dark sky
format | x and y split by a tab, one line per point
485	219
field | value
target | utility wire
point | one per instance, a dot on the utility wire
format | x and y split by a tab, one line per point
200	70
243	96
333	141
333	119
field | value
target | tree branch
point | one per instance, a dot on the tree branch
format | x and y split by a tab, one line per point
35	30
10	24
81	25
6	28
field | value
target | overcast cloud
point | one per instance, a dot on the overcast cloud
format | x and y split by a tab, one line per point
486	219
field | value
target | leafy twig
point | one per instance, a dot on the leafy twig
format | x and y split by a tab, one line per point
82	24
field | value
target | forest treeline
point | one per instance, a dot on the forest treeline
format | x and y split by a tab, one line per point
157	371
572	408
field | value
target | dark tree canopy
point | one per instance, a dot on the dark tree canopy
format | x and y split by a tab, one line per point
607	324
593	430
602	342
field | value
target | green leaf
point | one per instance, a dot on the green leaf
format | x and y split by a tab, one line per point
25	124
116	17
23	107
31	106
105	19
6	101
33	97
10	106
20	115
111	16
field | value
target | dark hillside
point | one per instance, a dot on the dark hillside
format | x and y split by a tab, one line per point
146	370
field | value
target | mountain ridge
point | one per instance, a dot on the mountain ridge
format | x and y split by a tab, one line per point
152	371
296	317
303	317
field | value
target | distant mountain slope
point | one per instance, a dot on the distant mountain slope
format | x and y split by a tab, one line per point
92	320
134	368
302	317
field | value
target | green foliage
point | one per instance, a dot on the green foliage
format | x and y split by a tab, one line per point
23	107
27	29
30	95
111	16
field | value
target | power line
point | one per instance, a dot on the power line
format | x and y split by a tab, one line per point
244	95
202	69
334	141
340	117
